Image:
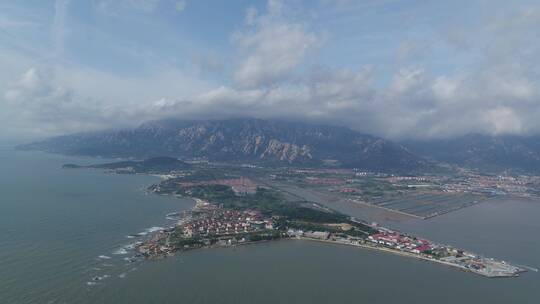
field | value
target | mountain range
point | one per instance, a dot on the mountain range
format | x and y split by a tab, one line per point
242	140
274	142
487	153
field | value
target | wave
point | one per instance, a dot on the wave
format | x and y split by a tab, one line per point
98	278
130	259
120	251
132	245
173	216
154	229
150	230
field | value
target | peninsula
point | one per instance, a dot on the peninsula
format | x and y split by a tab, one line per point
238	211
244	204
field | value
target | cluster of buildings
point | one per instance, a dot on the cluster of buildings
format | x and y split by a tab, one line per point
522	186
154	246
225	221
394	179
421	248
444	254
400	241
321	171
209	226
388	239
318	235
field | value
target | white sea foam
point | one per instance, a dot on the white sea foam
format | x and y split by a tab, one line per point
130	259
154	229
132	245
173	216
120	251
98	278
122	275
150	230
104	257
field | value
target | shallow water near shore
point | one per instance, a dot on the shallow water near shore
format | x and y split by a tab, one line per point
65	237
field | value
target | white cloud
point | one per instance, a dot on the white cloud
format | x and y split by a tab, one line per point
126	90
43	107
406	80
498	94
324	96
413	104
503	120
271	47
53	100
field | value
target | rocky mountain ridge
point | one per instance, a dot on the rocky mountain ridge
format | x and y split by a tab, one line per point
241	140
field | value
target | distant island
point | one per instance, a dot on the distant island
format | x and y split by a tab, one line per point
149	166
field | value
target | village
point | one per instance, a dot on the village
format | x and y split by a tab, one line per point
210	225
398	243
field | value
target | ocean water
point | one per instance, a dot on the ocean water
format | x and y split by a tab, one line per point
59	229
56	223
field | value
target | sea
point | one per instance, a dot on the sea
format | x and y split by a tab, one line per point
66	236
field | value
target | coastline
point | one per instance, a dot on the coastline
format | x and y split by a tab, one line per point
522	269
491	268
165	243
411	255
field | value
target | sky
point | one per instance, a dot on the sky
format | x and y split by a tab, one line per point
393	68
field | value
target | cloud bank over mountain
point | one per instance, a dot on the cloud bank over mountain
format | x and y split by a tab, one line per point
394	69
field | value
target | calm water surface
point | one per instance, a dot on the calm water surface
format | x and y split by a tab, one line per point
55	224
